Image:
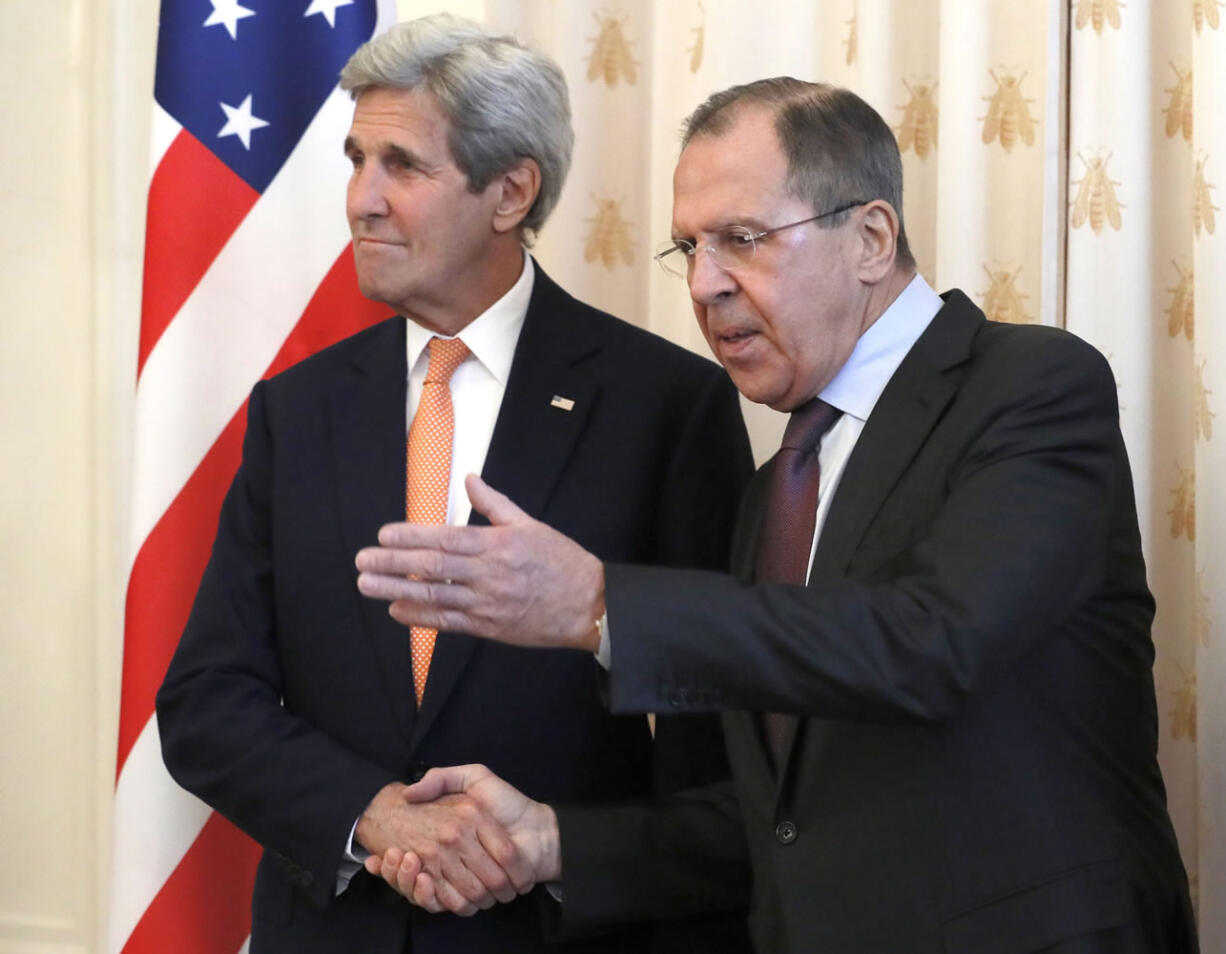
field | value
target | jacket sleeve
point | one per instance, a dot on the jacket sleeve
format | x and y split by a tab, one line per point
225	734
1027	524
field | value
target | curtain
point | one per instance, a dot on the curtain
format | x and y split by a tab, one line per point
1064	164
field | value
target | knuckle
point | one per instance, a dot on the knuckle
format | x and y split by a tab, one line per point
504	853
429	856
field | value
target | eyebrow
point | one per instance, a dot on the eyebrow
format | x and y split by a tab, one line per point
399	153
750	222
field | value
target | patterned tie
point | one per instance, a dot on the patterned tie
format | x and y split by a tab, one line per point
428	470
791	515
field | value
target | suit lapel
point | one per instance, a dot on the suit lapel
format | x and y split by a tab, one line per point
905	414
366	416
555	357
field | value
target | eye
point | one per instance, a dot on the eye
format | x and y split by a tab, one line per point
737	239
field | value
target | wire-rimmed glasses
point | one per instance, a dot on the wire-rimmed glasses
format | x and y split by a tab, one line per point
730	248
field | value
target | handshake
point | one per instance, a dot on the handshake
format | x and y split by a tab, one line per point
459	840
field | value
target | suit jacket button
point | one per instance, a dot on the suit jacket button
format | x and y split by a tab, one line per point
677	697
785	832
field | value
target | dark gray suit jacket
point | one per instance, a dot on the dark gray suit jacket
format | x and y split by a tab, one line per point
974	767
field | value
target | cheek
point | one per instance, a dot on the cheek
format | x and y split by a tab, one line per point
700	315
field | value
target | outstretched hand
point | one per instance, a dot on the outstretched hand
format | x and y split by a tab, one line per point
516	581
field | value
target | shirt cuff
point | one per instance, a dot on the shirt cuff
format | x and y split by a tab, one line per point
352	861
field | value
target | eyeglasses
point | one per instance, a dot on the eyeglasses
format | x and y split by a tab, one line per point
730	248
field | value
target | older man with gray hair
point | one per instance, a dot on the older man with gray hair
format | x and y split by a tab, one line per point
299	710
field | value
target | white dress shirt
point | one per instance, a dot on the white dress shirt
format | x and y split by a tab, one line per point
478	384
477	388
859	383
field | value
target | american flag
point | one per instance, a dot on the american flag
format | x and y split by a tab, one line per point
248	269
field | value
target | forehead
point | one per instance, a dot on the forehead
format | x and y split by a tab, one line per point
736	176
403	117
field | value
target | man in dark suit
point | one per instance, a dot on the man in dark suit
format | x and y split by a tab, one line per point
945	741
300	710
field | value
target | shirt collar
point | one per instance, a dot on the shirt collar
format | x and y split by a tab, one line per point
880	350
492	335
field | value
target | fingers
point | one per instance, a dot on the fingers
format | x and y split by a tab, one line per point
435	596
458	857
421	562
503	852
448	780
461	541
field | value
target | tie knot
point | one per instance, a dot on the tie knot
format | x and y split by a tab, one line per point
808	424
446	354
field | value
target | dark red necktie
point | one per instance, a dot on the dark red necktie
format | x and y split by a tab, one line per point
791	515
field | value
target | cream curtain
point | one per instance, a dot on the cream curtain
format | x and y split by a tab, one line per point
1062	164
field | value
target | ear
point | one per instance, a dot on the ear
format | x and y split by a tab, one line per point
518	188
877	230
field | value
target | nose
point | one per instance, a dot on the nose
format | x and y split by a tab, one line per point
366	198
708	282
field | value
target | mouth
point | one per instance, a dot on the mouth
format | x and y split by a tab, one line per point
732	344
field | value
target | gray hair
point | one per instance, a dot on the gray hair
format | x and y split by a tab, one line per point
838	147
504	102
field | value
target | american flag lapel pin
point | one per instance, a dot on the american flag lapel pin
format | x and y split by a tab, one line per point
565	403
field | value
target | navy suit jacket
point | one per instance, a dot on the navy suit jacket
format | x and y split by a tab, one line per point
973	768
289	702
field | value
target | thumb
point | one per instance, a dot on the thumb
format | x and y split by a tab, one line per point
438	782
488	502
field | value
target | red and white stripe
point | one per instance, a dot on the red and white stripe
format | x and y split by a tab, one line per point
268	280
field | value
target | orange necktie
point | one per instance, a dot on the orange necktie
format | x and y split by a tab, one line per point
428	470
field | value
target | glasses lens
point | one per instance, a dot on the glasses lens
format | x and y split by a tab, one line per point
672	257
733	247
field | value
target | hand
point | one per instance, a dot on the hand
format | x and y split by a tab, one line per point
471	860
532	827
517	581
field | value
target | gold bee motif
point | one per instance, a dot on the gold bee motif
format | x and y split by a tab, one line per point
1181	314
611	57
1204	416
609	235
1205	11
1179	109
1183	513
919	120
1096	200
1098	12
1008	115
853	39
1203	624
1183	713
1202	205
1002	301
695	51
